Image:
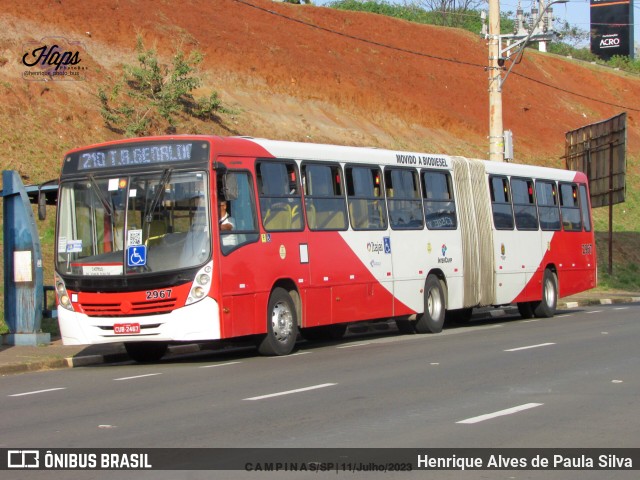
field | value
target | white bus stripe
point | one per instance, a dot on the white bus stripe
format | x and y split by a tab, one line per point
501	413
528	347
137	376
37	391
298	390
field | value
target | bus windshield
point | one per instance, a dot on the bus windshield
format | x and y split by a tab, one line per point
133	225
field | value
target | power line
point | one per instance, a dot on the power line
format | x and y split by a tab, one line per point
413	52
574	93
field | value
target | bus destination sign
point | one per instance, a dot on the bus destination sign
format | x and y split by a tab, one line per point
136	155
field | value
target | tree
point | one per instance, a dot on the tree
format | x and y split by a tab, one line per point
149	98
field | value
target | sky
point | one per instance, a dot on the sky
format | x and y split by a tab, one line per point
576	12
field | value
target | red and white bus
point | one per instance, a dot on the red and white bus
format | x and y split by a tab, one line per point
319	236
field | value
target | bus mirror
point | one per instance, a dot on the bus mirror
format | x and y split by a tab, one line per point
230	186
42	206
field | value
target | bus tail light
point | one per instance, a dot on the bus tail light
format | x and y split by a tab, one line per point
61	291
201	284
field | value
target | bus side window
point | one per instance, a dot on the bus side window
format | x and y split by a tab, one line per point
324	197
584	208
280	202
403	199
524	204
570	208
439	204
501	202
243	212
366	203
547	198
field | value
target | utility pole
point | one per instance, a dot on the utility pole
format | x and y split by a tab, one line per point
498	56
496	134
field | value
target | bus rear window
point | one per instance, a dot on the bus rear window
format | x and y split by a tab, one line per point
570	207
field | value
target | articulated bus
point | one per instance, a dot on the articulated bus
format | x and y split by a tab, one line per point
173	239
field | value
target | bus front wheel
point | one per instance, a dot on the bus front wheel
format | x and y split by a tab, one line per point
282	325
146	352
432	320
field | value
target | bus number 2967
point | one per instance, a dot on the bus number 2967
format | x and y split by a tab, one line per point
156	294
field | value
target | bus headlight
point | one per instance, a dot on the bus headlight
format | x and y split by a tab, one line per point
61	291
198	292
201	284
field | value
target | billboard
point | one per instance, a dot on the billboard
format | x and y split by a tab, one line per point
599	150
612	28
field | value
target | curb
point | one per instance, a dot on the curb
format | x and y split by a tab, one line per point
601	301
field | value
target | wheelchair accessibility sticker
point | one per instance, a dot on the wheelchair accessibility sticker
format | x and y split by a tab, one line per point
136	256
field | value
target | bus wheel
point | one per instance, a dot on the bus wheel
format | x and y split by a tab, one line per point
282	325
432	320
525	309
146	352
546	308
325	332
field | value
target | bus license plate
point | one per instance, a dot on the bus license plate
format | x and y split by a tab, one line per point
126	328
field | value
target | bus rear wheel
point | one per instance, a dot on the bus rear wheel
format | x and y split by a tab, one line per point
146	352
432	320
282	325
546	308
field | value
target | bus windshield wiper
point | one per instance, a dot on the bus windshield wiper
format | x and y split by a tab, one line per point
107	206
166	176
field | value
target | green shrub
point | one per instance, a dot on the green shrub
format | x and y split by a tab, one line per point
150	97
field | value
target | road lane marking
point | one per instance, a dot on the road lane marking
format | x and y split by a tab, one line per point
37	391
219	365
290	355
355	345
288	392
593	311
501	413
621	308
528	347
137	376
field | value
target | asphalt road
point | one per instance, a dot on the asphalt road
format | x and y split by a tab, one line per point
569	381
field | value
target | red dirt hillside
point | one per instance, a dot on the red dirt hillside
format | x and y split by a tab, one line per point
289	80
